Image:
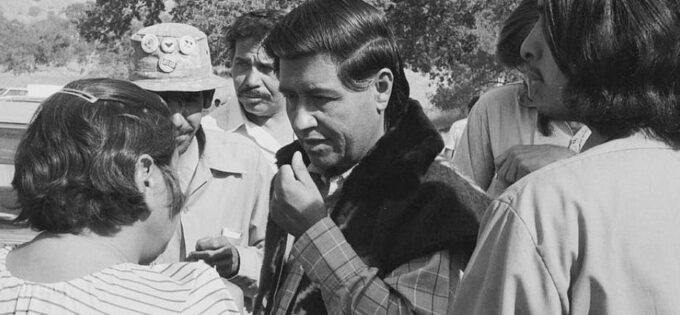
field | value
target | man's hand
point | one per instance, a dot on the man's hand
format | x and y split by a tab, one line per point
520	160
219	253
296	203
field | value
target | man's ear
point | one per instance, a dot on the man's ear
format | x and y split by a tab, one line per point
143	172
383	85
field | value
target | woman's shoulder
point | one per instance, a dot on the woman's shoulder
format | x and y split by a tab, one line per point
173	288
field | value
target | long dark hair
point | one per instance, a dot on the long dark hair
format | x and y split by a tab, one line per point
621	59
513	32
354	34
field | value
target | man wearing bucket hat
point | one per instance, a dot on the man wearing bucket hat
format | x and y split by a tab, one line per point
224	175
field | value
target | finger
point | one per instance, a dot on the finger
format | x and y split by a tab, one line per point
208	243
300	169
501	159
198	255
501	170
513	166
287	175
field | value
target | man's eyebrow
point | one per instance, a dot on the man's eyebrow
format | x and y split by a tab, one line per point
308	90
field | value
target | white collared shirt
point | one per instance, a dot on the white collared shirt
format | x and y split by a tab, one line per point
262	138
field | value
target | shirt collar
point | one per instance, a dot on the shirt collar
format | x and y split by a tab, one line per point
220	155
263	138
334	183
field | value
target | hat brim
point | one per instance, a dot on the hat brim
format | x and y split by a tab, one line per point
182	85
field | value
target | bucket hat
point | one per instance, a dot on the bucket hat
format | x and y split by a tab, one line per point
172	57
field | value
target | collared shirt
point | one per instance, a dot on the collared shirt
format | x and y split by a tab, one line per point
593	234
423	285
501	119
262	138
228	189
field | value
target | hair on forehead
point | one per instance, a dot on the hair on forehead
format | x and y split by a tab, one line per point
513	32
354	34
253	25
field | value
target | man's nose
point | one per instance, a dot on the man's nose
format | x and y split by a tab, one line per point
180	122
531	49
253	78
301	117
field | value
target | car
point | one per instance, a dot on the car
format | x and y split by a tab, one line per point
14	119
12	92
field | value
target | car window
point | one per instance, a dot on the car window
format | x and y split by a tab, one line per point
16	93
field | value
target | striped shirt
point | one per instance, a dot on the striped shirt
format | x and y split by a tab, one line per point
180	288
424	285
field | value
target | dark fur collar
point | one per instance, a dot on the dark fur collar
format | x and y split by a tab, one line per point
389	209
390	176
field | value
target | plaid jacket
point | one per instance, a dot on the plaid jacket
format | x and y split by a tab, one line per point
388	242
425	285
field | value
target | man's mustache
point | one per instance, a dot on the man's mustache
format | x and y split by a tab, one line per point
252	93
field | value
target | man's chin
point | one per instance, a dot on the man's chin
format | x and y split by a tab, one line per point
322	162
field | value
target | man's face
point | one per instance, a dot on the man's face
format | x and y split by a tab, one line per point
335	125
544	79
187	113
255	82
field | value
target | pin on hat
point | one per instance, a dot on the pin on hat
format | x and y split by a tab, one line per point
172	57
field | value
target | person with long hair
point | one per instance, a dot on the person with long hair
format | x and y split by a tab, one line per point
509	132
596	233
95	174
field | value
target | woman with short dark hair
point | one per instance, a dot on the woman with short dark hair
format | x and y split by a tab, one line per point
94	173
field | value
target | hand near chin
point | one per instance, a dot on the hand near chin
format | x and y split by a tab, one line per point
296	202
520	160
219	253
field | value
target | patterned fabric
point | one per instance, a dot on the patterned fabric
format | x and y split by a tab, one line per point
181	288
424	285
398	205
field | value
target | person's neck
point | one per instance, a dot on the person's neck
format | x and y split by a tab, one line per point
277	125
55	257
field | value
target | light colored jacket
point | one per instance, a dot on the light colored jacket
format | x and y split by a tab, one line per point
229	191
593	234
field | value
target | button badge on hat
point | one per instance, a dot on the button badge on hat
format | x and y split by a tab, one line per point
167	64
168	45
187	45
149	43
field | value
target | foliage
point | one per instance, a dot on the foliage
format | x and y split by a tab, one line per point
453	41
53	41
108	21
214	17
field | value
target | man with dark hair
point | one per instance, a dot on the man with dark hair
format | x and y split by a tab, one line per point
596	233
381	226
256	84
224	176
509	134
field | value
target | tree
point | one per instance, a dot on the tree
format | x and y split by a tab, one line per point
107	21
453	41
214	17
